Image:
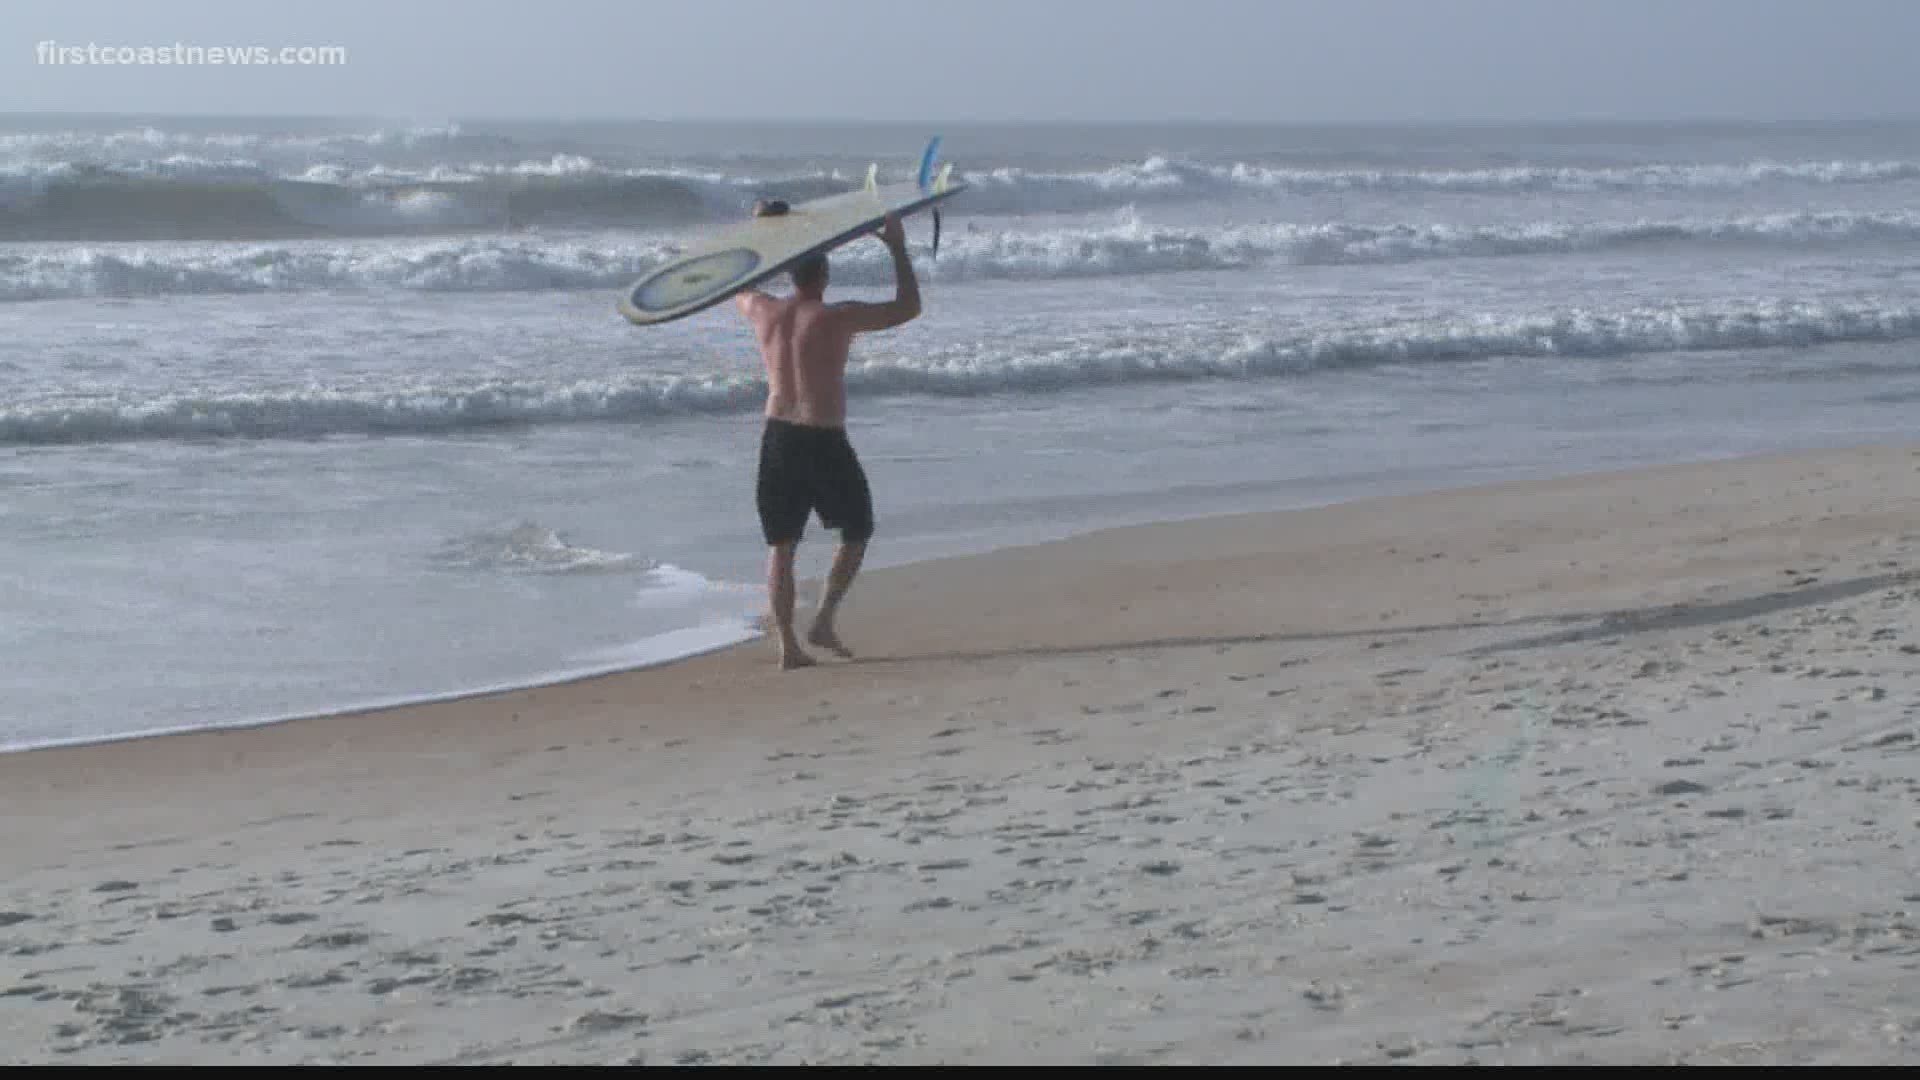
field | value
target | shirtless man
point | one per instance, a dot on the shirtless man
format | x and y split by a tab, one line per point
807	463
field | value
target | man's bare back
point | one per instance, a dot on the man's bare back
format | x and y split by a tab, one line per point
804	343
804	340
806	462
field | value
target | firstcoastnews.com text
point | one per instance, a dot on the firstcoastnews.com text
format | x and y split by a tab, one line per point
52	53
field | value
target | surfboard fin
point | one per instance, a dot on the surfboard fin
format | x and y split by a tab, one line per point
935	184
927	158
873	178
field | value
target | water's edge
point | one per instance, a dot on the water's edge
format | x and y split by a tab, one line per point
688	643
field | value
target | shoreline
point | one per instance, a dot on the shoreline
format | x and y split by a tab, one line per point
713	639
886	592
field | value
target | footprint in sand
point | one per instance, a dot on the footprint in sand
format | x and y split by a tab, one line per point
337	939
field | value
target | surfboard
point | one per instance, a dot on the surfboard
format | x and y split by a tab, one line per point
745	255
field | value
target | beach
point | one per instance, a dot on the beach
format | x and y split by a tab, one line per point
1611	768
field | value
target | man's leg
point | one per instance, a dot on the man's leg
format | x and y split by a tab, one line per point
846	564
849	507
780	594
783	505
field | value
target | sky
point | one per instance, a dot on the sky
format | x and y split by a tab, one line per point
915	61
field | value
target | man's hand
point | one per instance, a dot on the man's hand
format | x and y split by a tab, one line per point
891	234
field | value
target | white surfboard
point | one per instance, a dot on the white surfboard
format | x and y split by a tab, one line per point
747	254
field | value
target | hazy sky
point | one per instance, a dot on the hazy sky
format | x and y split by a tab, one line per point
917	61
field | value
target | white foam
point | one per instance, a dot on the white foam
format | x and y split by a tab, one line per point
673	645
74	271
530	547
1102	356
486	170
1160	179
1129	246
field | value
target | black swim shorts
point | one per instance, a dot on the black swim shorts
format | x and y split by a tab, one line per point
807	469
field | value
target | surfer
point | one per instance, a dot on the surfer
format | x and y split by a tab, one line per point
807	464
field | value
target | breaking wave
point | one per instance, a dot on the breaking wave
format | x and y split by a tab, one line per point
217	191
1137	356
967	252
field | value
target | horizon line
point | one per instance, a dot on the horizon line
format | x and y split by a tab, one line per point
828	120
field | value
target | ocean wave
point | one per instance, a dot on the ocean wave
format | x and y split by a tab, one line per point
1128	247
144	141
1340	243
183	200
207	191
1135	247
451	266
1161	179
1133	356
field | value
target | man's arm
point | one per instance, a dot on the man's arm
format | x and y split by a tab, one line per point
905	305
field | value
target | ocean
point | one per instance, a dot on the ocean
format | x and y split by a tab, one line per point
308	415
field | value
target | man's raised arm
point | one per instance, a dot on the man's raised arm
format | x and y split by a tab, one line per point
905	305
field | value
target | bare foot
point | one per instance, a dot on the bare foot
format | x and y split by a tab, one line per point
823	636
794	658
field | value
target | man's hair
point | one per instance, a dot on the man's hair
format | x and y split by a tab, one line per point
807	274
811	273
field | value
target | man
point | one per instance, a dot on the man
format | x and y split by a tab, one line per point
807	463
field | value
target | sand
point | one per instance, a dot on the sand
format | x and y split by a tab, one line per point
1622	768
